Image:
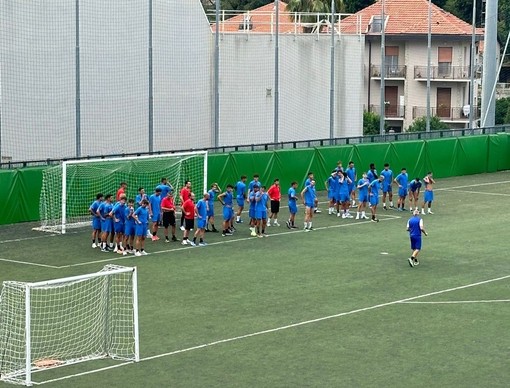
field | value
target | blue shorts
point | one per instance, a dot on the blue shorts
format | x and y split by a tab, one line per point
387	188
415	242
141	230
428	196
240	201
118	227
292	208
228	213
251	212
350	187
261	214
344	197
331	195
201	223
96	223
337	197
210	212
107	225
155	217
402	192
310	205
363	197
129	229
374	200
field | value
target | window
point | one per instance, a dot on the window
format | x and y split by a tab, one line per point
444	61
391	60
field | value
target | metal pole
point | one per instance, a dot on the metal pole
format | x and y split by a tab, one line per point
489	63
276	71
77	80
151	95
472	108
383	70
332	82
429	48
216	136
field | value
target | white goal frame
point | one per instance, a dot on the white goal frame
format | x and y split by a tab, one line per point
65	164
107	271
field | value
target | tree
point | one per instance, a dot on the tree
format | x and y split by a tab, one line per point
371	123
502	111
420	124
313	6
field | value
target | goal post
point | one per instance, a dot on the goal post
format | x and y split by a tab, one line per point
69	188
59	322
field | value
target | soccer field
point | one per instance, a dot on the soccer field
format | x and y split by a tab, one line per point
336	307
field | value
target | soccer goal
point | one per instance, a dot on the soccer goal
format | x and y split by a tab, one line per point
65	321
69	188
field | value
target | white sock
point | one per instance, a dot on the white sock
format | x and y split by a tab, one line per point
238	218
391	203
275	221
363	214
309	224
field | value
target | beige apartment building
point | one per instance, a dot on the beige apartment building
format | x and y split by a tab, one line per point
406	26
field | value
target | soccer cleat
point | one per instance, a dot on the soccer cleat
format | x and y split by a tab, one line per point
294	227
174	238
338	214
306	230
202	244
357	216
343	215
287	223
137	253
253	234
208	231
239	221
104	250
144	253
184	242
349	215
167	240
124	253
384	207
317	211
411	263
154	238
260	236
264	235
192	244
227	233
416	262
182	228
149	234
268	224
429	212
311	228
404	209
214	230
422	212
115	249
375	219
94	245
276	224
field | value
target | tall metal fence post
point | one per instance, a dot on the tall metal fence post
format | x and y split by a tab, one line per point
276	72
151	93
77	80
332	76
216	136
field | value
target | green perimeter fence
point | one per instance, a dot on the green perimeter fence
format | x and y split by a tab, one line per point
21	188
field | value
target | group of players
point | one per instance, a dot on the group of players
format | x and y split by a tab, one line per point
123	225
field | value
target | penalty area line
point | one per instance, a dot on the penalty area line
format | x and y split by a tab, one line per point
28	263
285	327
460	301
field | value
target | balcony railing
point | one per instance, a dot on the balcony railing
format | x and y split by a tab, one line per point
443	72
445	113
390	111
389	71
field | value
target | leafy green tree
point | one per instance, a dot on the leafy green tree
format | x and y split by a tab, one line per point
371	123
502	111
420	124
315	6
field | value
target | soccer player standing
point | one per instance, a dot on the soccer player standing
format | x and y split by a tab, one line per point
184	195
168	210
96	220
118	214
215	189
414	193
351	173
386	185
402	181
201	211
188	210
292	205
141	217
428	195
373	193
227	200
415	229
309	198
121	191
363	184
103	211
240	197
165	187
155	212
275	196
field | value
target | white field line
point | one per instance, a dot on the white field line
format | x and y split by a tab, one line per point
476	192
228	240
474	185
28	263
281	328
461	301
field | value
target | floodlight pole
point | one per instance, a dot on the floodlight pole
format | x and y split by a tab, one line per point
489	63
332	75
276	71
216	134
429	48
472	108
383	69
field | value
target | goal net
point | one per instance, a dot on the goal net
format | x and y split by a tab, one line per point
69	188
65	321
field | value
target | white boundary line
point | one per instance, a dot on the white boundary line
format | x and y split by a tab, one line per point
474	185
460	301
281	328
475	192
28	263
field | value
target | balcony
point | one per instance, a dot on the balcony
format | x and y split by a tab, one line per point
390	72
443	73
393	112
452	114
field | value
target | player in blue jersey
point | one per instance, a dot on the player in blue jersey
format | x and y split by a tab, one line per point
118	213
373	194
165	187
415	229
140	196
387	185
254	182
292	197
414	193
215	189
155	212
372	173
402	181
344	197
129	226
96	220
103	211
351	173
251	210
141	217
227	200
310	178
240	197
261	198
428	195
309	198
362	187
331	186
201	210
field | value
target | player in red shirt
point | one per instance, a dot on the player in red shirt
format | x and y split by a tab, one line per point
121	191
168	209
275	197
184	195
188	211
